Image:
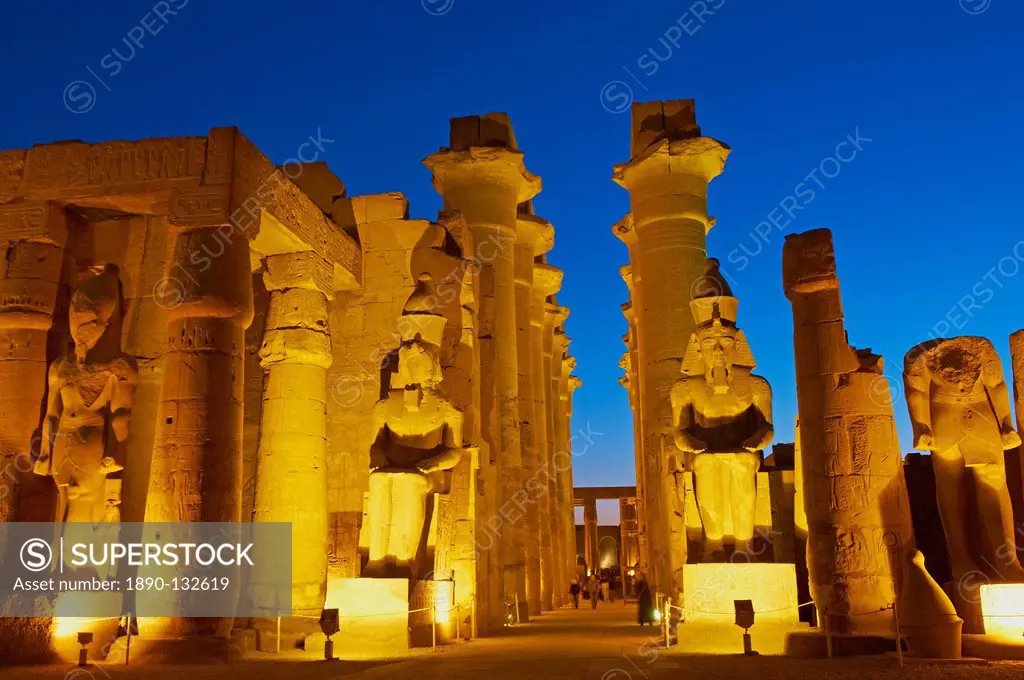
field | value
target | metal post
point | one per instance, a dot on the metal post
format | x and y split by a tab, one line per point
517	607
899	637
279	634
828	633
128	642
665	621
433	627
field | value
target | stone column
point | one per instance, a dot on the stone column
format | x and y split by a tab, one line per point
534	237
568	504
32	239
196	473
291	479
546	282
482	175
590	534
1015	458
858	515
632	384
1017	365
667	178
554	316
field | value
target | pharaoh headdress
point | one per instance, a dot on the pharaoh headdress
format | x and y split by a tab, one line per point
714	305
422	330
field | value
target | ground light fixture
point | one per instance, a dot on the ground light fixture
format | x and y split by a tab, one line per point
329	626
745	619
84	638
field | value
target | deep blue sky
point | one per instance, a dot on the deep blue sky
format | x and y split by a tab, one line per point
925	210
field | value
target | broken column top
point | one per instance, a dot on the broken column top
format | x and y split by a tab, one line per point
654	121
490	129
809	262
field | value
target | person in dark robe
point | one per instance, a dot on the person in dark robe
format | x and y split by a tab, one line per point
644	601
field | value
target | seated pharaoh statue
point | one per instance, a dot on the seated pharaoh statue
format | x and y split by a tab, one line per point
88	407
416	434
722	417
960	411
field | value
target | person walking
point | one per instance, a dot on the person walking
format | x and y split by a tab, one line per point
594	588
574	593
644	601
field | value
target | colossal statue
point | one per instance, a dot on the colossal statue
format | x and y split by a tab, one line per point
960	410
88	407
416	434
723	417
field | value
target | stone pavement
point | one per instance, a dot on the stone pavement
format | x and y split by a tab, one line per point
575	645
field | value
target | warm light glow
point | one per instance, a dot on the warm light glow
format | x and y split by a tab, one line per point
632	572
70	626
657	615
442	606
1002	605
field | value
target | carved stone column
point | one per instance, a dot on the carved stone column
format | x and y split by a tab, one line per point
1017	366
858	515
291	471
32	239
590	535
482	175
546	282
561	459
196	473
667	178
632	384
572	383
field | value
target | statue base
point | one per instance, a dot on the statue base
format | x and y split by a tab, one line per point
709	591
1002	609
373	617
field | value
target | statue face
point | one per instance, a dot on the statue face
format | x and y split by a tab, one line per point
718	349
416	365
88	322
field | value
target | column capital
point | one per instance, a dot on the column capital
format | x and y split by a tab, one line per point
626	272
575	382
625	230
556	315
481	165
628	311
305	270
702	158
536	233
547	280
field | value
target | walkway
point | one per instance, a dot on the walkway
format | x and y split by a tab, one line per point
574	645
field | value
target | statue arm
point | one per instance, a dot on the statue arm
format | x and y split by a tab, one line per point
122	399
452	453
762	401
917	383
999	397
51	423
378	423
682	418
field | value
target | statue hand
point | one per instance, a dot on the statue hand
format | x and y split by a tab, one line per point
924	441
42	465
1011	440
427	466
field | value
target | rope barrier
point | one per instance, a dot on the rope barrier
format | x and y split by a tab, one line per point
766	611
368	616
